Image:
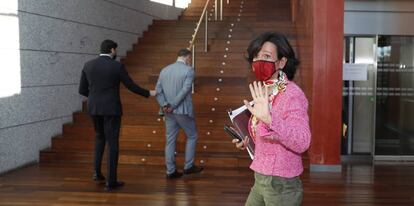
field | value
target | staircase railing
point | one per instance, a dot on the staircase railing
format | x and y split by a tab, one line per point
204	17
194	36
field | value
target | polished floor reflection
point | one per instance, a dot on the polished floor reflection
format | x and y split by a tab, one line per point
358	184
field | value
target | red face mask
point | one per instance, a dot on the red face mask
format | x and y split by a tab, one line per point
263	69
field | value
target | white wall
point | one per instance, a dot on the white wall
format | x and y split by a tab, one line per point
387	17
56	38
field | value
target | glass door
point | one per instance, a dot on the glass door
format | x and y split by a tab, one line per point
358	110
378	97
394	139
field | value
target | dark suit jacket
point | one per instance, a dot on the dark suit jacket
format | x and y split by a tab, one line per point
100	82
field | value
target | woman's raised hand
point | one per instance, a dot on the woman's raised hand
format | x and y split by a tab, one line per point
260	107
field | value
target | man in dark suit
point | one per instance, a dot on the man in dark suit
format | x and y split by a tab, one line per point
100	81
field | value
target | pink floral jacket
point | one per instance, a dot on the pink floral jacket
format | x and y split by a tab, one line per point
279	145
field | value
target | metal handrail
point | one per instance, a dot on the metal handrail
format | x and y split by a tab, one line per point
205	16
204	13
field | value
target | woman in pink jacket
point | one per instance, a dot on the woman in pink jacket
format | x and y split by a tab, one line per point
279	124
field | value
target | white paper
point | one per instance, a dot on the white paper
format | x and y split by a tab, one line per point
237	111
355	72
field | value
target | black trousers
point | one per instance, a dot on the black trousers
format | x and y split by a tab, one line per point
107	131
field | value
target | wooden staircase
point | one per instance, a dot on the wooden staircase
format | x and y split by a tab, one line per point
222	76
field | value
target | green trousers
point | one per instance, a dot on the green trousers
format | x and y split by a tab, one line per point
273	190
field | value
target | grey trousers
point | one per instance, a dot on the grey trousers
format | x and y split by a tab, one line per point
173	123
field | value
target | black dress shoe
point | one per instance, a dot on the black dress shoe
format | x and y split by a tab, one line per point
98	177
193	170
113	186
174	175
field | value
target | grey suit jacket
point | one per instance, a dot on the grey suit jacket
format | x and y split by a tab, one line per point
174	88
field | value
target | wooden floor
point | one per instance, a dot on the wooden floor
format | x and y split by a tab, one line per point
60	185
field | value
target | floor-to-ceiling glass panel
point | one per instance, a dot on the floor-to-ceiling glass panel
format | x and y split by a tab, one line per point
395	96
359	95
363	99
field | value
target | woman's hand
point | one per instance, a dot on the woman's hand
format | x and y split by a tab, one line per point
241	145
260	107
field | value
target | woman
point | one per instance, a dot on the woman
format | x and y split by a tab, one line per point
279	124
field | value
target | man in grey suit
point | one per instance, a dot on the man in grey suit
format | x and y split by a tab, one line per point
174	96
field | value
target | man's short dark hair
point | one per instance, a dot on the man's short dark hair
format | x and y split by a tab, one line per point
107	45
183	53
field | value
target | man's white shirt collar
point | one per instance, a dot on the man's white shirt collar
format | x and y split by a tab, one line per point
105	55
181	60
